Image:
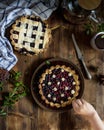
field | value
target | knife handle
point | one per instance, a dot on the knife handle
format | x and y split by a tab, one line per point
86	72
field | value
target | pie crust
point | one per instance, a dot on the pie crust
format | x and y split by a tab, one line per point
59	85
30	35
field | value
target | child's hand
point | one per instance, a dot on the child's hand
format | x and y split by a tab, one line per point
82	107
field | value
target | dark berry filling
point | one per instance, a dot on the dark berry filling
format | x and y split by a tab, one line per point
58	86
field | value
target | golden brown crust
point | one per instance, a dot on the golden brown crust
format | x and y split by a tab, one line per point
62	103
21	38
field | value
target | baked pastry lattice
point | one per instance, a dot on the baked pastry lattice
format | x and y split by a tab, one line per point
59	85
29	34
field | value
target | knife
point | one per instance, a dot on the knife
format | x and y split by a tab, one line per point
81	59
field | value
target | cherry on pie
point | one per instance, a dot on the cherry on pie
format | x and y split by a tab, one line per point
59	85
30	35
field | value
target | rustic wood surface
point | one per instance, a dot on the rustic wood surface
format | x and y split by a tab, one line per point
26	114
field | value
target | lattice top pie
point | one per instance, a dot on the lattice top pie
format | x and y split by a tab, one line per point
29	34
59	85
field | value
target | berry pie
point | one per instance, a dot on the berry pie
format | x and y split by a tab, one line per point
59	85
30	35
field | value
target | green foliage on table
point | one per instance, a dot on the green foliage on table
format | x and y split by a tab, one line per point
100	27
48	62
19	90
91	28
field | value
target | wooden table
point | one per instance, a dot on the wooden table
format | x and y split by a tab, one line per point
26	114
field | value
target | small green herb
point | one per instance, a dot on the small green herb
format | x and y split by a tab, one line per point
14	75
102	36
100	27
2	112
70	56
48	62
19	90
91	28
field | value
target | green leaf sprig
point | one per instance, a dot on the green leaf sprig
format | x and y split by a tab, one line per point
48	62
19	90
91	28
100	27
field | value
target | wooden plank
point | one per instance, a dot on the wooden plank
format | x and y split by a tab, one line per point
100	87
48	120
20	122
70	121
3	123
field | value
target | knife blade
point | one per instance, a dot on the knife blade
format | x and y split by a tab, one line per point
81	59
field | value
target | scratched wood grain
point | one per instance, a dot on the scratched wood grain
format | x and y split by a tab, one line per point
26	114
